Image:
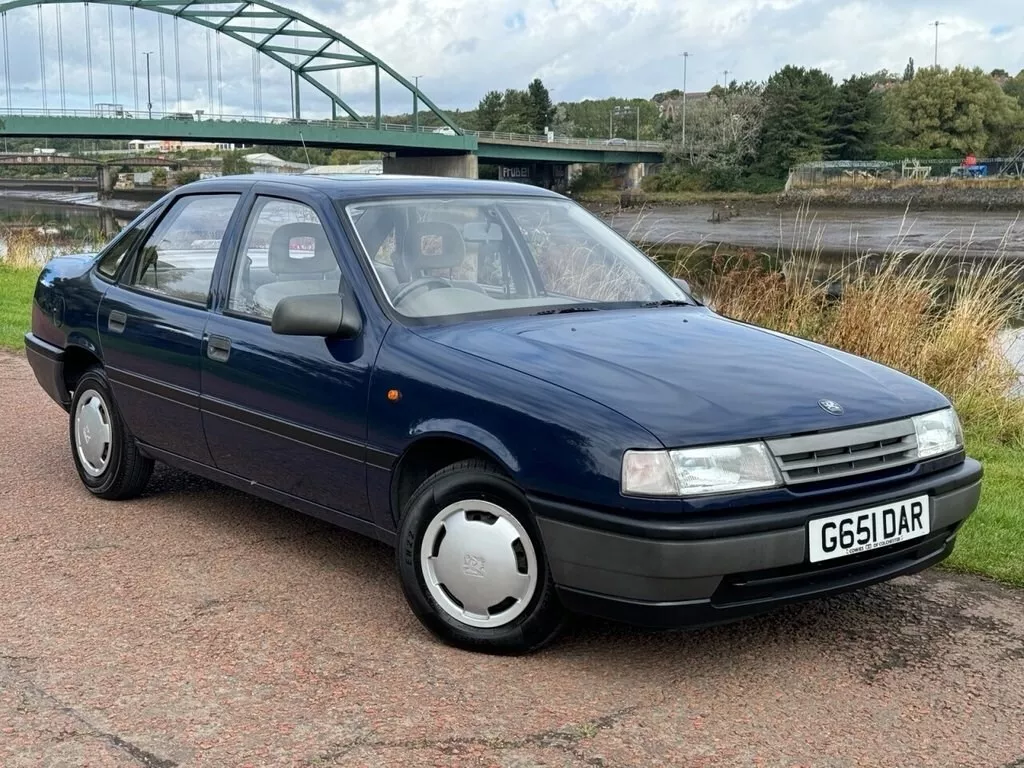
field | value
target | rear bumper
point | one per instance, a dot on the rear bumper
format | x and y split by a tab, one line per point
47	363
697	580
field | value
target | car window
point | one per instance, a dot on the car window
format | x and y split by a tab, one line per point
178	258
285	253
576	259
459	243
111	261
444	257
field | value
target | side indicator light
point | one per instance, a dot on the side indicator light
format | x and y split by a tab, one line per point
394	395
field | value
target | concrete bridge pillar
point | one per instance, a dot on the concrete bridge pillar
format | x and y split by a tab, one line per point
105	181
635	174
458	166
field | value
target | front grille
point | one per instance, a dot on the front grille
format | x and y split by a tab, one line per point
847	452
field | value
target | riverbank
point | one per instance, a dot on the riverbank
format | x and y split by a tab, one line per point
83	200
1006	195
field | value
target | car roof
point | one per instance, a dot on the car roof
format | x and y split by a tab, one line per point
361	186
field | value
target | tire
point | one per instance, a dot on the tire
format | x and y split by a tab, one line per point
104	451
472	503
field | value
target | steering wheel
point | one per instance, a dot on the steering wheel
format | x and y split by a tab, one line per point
420	282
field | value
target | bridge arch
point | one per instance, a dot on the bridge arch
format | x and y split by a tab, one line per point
269	39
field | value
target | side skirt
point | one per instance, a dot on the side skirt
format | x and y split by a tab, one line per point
340	519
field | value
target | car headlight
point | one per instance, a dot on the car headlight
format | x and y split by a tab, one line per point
937	433
699	471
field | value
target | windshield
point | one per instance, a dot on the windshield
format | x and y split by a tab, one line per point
437	258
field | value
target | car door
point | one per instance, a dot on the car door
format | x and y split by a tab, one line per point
288	412
151	323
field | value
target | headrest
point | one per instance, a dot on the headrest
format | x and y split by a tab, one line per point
434	245
300	248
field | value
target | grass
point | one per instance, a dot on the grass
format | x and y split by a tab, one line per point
896	308
991	543
17	285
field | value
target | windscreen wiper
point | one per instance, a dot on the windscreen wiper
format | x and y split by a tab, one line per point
668	303
567	310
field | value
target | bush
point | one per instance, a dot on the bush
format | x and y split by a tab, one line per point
186	177
590	179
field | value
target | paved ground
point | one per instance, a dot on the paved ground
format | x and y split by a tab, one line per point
198	627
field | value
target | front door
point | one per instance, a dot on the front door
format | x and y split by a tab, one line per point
151	324
288	412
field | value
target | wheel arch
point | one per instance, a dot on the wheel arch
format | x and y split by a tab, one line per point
77	360
435	448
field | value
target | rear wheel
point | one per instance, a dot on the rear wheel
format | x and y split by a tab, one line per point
105	454
472	563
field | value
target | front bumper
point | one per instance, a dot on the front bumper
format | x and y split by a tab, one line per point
693	579
47	362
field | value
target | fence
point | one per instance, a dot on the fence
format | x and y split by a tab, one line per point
839	173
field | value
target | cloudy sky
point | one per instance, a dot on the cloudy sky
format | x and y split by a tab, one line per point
463	48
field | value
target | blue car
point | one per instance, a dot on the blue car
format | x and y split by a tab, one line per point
487	377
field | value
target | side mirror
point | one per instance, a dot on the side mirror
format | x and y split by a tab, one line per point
683	284
320	314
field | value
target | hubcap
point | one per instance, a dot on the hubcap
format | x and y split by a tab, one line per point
479	563
92	433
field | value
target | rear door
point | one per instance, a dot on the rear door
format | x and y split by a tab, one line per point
151	323
288	412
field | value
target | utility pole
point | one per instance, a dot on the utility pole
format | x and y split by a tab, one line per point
937	24
725	79
149	90
686	55
416	103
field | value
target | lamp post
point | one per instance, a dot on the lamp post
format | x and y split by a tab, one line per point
416	103
149	90
686	55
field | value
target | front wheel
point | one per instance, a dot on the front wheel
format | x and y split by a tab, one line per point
472	564
105	455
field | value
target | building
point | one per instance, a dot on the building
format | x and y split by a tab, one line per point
172	145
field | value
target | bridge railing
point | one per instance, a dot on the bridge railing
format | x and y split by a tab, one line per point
624	145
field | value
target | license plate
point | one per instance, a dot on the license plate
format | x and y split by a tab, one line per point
867	529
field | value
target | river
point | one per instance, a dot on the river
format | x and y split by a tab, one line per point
836	232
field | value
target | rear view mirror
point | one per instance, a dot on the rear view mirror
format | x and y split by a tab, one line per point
321	314
481	232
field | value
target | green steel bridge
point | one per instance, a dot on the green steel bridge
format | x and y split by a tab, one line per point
316	58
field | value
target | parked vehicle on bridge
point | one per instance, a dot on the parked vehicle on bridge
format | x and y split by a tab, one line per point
489	378
617	142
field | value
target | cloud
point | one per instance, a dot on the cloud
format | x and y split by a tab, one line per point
464	48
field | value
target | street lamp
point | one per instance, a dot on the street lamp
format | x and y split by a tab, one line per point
149	90
416	103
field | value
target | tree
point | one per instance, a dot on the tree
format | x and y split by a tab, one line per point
856	120
234	163
797	126
962	109
999	74
489	111
541	111
722	131
1014	87
909	72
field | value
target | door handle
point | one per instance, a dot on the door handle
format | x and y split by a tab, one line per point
218	348
116	321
